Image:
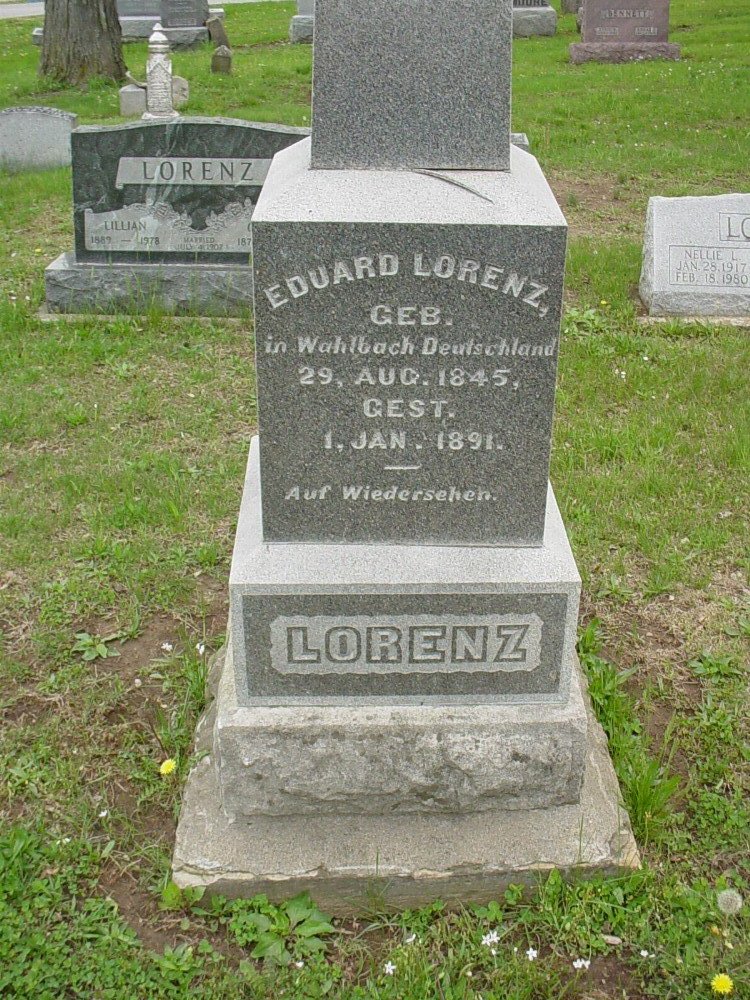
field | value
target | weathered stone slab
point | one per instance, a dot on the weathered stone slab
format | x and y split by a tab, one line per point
184	13
407	341
446	103
179	289
612	52
696	256
35	138
328	624
133	97
531	19
178	192
407	859
392	759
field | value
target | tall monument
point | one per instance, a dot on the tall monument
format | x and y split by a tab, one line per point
400	699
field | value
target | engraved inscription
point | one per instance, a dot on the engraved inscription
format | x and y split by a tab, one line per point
397	644
734	227
159	227
716	266
195	171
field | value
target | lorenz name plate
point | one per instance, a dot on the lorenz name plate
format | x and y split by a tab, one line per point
181	192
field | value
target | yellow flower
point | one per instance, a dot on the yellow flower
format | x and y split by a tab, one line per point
168	766
722	984
604	302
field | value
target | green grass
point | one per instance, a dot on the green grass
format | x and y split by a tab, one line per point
122	451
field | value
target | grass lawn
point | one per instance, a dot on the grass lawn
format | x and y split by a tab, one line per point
122	451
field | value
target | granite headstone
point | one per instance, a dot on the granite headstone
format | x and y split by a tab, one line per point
533	17
164	193
35	138
630	31
407	126
696	256
405	658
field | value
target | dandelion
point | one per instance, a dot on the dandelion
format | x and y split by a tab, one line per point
581	963
491	938
603	302
389	968
531	954
729	902
722	984
168	766
201	648
167	647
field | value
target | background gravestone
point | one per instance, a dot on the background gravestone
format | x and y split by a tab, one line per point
400	654
35	138
696	256
634	31
166	194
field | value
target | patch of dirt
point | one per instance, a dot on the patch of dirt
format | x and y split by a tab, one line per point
609	979
599	205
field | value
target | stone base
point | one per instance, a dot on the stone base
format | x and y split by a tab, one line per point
186	38
620	52
529	21
182	289
351	863
396	759
301	28
740	321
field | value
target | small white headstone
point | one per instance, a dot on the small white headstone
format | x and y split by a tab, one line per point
696	256
159	104
35	138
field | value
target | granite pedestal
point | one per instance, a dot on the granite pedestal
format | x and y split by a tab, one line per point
534	19
405	859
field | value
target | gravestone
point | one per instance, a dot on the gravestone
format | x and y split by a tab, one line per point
303	22
221	60
696	257
133	97
636	31
162	215
138	19
35	138
533	17
217	32
184	22
399	707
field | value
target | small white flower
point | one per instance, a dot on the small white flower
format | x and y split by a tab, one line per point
493	952
66	840
491	938
299	965
411	939
389	968
646	357
469	973
167	647
201	648
644	953
104	813
729	902
581	963
515	951
531	954
137	682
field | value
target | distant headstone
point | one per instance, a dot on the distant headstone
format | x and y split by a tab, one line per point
217	32
138	18
168	205
636	31
533	17
303	23
696	256
221	60
570	6
184	22
406	126
35	138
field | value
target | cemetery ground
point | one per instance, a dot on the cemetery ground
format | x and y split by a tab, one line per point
123	451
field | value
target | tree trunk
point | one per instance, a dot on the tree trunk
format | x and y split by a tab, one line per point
82	39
